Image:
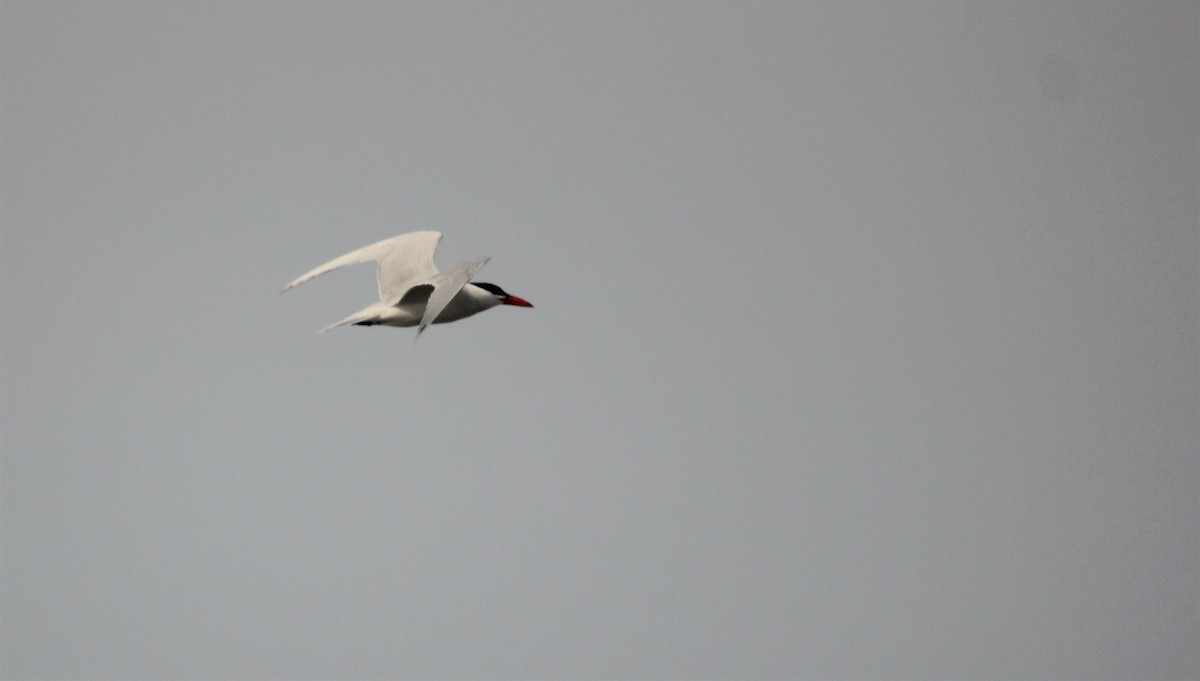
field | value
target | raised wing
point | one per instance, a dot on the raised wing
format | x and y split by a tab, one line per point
403	260
446	285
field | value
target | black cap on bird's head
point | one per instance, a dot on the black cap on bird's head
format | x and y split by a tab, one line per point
505	298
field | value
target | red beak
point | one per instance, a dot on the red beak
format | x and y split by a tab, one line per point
513	300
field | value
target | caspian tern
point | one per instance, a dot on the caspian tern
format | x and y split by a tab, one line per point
412	292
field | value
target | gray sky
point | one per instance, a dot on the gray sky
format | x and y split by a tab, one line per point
867	341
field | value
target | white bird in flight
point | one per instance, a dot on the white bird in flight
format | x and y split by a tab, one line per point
412	292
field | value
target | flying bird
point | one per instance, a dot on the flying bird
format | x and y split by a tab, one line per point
412	292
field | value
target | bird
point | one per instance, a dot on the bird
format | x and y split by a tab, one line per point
412	292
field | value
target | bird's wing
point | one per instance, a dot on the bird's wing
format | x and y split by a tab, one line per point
446	285
417	294
403	261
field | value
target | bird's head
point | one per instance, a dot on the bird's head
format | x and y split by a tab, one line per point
502	297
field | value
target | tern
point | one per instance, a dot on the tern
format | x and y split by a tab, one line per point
412	292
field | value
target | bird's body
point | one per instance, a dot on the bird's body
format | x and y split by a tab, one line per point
412	292
470	300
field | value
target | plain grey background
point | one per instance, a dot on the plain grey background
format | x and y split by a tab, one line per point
866	341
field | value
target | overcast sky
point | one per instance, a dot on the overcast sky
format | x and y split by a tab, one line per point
866	341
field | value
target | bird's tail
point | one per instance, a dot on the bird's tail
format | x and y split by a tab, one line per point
366	316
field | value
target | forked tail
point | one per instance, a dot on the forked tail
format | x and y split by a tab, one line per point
368	316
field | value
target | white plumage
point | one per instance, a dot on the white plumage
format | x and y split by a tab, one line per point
412	292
